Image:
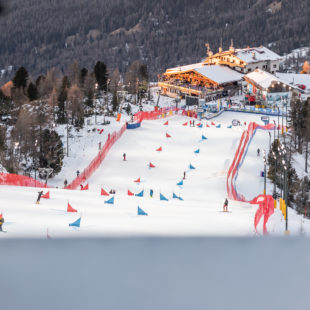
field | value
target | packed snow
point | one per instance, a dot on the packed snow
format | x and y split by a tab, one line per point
203	191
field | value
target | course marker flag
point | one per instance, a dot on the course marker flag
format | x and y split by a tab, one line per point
77	223
104	193
141	212
140	194
110	201
46	195
130	193
70	209
162	197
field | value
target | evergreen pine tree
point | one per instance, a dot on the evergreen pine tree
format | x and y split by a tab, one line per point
51	155
32	92
62	97
21	77
101	75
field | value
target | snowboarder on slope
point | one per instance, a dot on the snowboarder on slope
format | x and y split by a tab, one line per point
225	207
1	221
39	197
124	156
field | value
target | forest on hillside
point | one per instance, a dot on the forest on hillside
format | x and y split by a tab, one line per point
41	34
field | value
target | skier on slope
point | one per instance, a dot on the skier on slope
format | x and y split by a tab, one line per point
258	152
225	207
124	156
40	193
1	221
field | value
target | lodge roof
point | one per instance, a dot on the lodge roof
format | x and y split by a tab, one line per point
219	74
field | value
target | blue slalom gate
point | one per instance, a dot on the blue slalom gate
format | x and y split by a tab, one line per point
140	194
218	126
203	137
141	212
180	183
197	151
191	167
110	201
162	197
77	223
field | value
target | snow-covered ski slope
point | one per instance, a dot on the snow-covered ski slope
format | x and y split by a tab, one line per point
203	191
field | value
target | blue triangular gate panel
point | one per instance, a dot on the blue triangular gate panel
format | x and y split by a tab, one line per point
162	197
110	201
141	212
180	183
77	223
175	196
197	151
191	167
140	194
203	137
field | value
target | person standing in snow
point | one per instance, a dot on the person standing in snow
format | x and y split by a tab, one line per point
190	123
65	182
225	207
193	123
77	173
124	156
39	197
1	221
258	152
184	175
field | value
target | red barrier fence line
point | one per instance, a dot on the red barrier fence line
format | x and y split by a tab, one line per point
266	207
96	162
19	180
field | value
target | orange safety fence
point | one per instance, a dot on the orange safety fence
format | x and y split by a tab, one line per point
19	180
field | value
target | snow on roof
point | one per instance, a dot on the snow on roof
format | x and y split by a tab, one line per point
256	54
294	79
219	74
184	68
263	79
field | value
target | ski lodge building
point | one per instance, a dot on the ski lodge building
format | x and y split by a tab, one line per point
220	73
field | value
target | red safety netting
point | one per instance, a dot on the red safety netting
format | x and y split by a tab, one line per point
265	202
19	180
96	162
152	115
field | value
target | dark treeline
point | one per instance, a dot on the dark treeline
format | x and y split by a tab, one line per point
41	34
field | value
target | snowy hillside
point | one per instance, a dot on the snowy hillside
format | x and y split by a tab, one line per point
203	191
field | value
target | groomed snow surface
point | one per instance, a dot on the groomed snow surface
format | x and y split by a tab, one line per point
203	192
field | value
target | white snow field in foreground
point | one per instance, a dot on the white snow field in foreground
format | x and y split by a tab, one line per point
203	192
155	273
